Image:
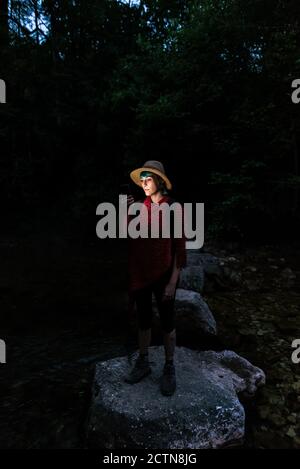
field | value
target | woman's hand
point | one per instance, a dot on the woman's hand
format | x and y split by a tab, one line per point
169	292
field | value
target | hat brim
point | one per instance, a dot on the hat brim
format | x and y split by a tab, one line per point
135	176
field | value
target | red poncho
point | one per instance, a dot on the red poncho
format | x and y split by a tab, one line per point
149	258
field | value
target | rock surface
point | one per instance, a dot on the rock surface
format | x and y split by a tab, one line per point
205	411
195	258
192	278
206	273
192	313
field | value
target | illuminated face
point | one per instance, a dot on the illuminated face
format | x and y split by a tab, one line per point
148	183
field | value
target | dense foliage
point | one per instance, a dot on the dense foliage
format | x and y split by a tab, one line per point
96	87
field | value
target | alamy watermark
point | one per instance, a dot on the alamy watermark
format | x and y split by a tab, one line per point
2	92
175	220
296	94
296	353
2	351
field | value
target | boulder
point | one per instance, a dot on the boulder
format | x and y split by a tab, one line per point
205	272
195	257
204	412
192	278
192	313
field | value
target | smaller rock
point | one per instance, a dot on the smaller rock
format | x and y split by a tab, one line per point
288	273
291	432
192	278
192	313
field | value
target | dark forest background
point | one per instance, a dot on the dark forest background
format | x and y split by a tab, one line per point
95	88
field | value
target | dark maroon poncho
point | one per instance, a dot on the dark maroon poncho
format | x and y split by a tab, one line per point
149	258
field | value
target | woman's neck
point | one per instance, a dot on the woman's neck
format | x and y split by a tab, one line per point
155	198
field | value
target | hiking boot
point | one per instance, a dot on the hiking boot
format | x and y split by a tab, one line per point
168	380
140	370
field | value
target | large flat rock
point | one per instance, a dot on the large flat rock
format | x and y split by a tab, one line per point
205	411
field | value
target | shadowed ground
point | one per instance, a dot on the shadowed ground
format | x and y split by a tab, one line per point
63	308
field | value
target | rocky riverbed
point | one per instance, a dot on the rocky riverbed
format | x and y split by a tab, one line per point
258	316
63	311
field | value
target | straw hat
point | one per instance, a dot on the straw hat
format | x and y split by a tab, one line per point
153	166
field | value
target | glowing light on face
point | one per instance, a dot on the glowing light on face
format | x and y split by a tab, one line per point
147	182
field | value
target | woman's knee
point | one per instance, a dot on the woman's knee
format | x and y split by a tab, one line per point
168	325
145	323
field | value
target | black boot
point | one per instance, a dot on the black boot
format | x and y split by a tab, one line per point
168	380
140	370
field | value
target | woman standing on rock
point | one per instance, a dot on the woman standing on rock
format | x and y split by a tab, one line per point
154	267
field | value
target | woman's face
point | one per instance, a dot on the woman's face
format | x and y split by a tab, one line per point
149	185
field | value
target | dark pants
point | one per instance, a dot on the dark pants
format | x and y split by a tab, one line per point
143	299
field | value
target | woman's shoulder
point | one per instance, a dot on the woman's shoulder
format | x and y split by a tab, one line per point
172	200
